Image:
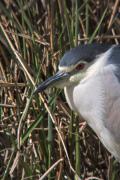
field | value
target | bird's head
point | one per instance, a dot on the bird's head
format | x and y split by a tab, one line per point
73	66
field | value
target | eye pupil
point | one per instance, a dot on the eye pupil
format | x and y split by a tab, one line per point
80	66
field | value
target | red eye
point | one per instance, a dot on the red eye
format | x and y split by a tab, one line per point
80	66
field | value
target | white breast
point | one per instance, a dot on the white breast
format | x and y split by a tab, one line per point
87	98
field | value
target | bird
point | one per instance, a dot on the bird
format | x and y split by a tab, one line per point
90	77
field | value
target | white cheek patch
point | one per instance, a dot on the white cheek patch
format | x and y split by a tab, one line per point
77	77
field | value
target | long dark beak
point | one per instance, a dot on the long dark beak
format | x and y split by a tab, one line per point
53	81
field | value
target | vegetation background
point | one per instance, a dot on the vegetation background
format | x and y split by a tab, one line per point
40	138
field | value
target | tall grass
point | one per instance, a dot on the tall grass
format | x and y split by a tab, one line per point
40	138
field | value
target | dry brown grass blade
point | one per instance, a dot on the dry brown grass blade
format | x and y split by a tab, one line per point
16	55
113	13
7	84
50	169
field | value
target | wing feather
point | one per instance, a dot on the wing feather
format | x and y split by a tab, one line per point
112	103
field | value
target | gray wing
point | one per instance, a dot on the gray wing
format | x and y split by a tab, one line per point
112	103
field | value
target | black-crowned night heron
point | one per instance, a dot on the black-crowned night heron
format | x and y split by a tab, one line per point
90	76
